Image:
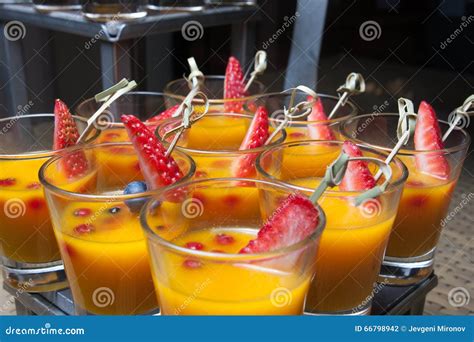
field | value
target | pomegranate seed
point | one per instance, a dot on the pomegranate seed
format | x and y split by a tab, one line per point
197	246
191	263
84	228
112	136
36	203
200	174
224	239
7	181
34	185
418	201
82	212
231	200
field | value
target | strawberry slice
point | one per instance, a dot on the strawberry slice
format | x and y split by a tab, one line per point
320	130
357	176
428	138
66	135
295	219
158	169
153	122
256	136
234	86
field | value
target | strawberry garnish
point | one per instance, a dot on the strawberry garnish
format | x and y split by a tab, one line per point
295	219
256	136
234	86
66	135
157	119
319	130
428	138
158	169
357	176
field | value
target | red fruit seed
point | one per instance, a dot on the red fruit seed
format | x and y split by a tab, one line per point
82	212
197	246
224	239
84	228
7	182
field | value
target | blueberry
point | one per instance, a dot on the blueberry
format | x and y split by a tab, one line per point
134	188
114	210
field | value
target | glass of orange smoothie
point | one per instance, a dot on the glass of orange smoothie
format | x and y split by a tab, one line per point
213	86
214	141
29	251
99	234
353	243
196	249
425	200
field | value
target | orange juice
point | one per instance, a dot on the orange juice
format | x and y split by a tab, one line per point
423	206
105	258
26	234
200	287
351	251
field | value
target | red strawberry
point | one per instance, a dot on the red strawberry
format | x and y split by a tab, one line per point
357	176
428	138
234	85
157	169
157	119
320	130
295	219
66	135
256	136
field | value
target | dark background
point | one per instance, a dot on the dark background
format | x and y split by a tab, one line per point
407	60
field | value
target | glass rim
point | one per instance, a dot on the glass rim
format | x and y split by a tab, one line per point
168	92
391	186
111	125
353	107
162	124
43	153
100	197
229	256
404	151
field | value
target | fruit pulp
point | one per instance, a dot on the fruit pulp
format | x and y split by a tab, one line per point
105	257
350	252
191	286
423	206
